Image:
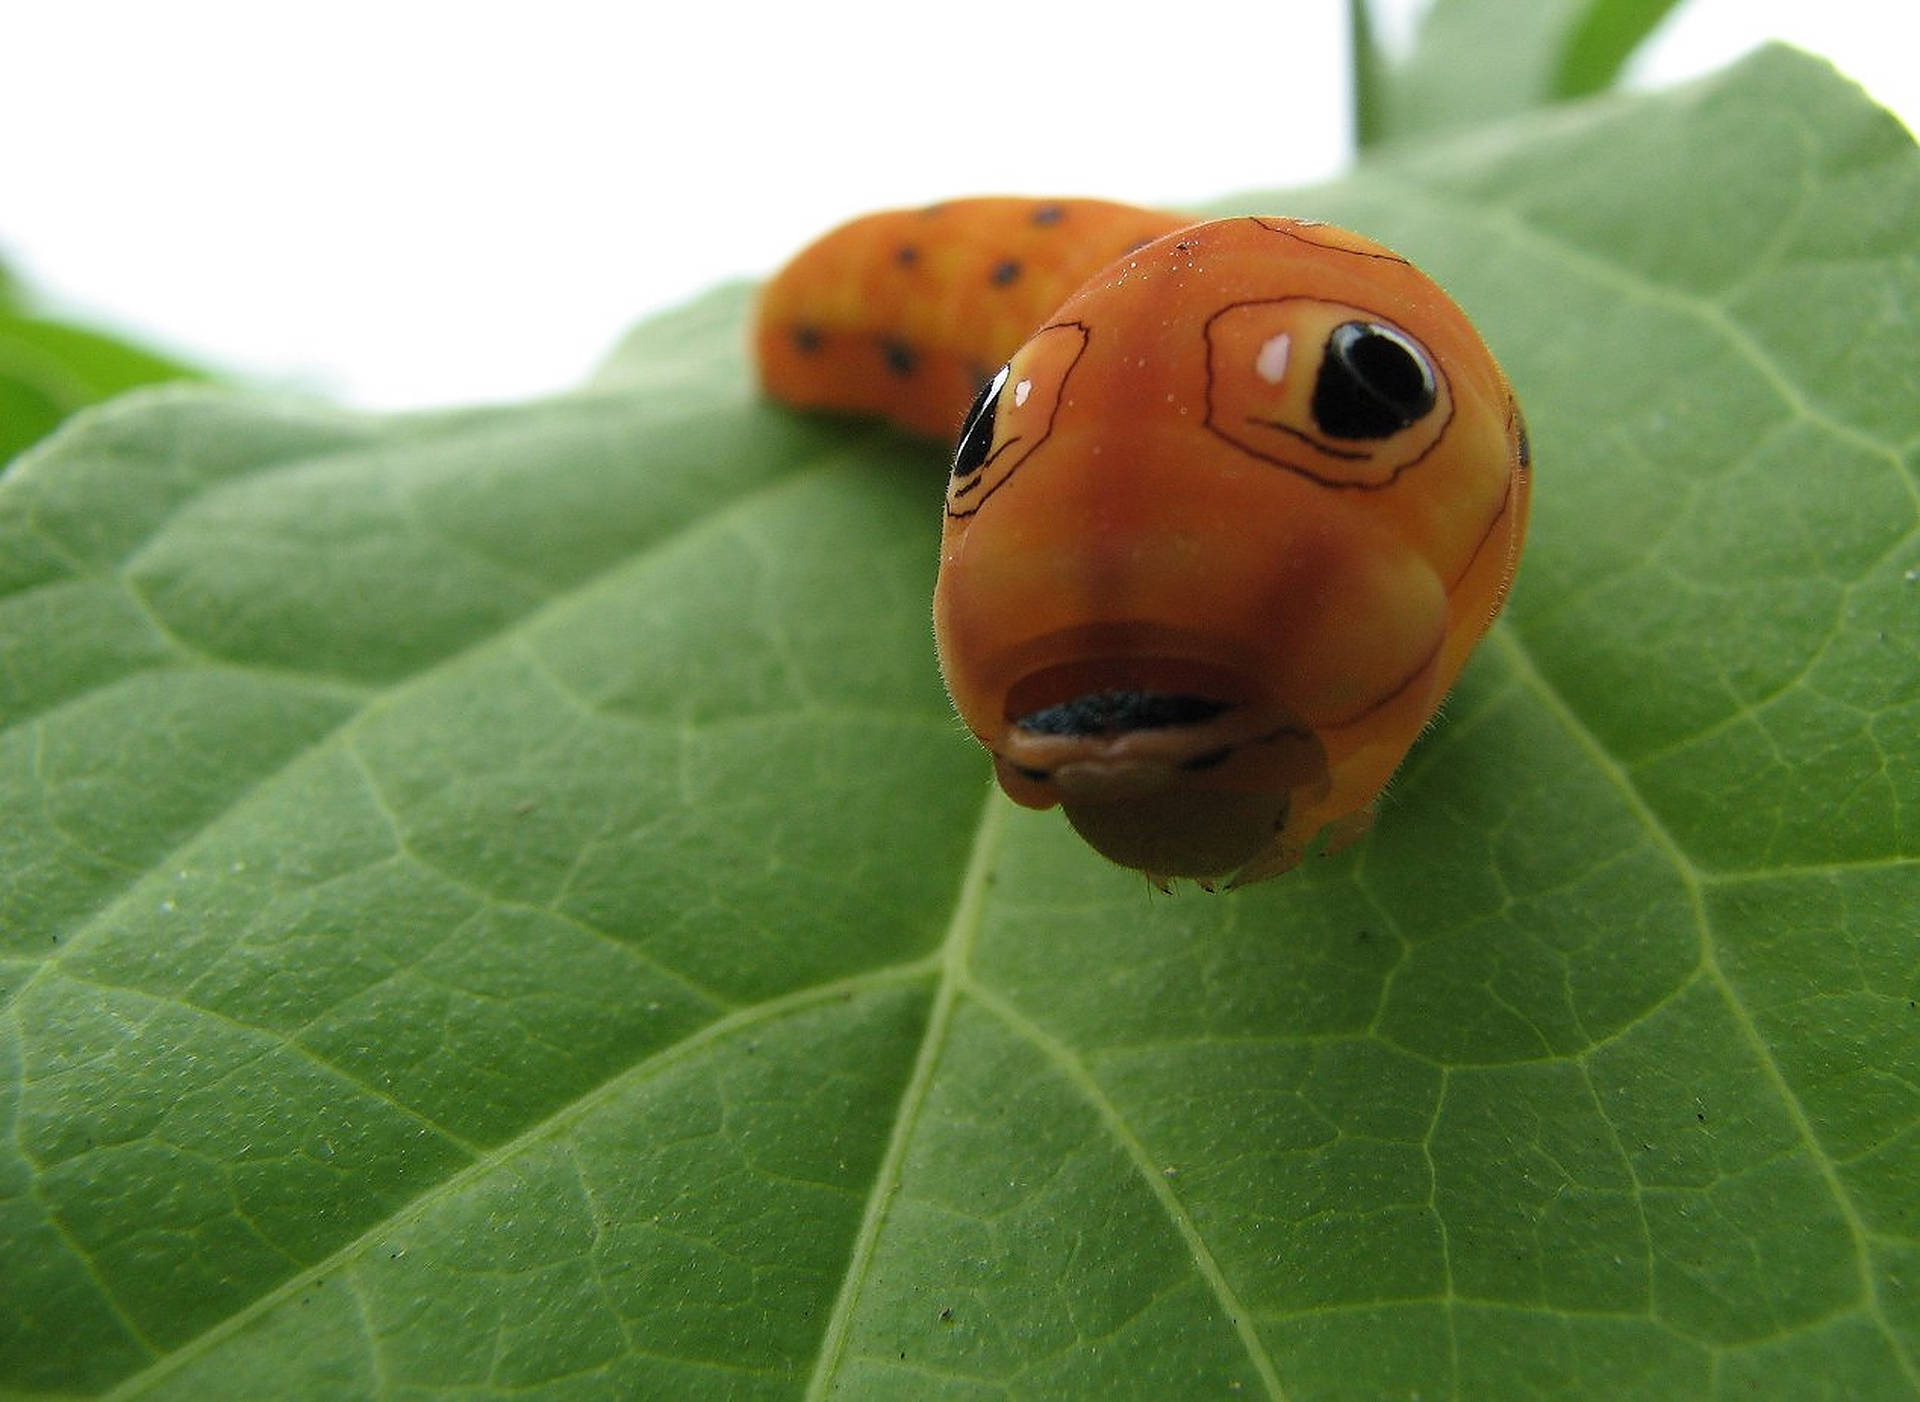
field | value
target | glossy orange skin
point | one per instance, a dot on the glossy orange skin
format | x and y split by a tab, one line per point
902	314
1154	509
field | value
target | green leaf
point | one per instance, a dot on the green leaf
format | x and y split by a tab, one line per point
1481	60
1598	47
1369	74
496	902
48	370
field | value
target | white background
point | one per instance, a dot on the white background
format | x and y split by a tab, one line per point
401	203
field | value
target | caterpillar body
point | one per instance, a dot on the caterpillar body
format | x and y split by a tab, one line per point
1233	504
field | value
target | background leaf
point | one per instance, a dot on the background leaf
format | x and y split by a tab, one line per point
49	369
1478	61
496	902
1598	47
1369	74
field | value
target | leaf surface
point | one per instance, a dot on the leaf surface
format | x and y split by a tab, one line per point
49	370
496	903
1477	61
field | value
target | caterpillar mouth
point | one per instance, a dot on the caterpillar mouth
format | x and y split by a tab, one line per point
1115	712
1107	727
1168	712
1170	766
1112	695
1124	721
1083	726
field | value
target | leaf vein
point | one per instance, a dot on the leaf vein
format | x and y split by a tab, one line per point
1711	968
1076	1073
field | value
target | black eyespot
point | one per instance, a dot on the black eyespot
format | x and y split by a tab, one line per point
1373	382
976	434
902	359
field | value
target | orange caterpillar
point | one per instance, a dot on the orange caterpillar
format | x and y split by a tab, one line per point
1220	532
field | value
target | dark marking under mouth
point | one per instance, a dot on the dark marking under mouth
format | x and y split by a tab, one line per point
1115	712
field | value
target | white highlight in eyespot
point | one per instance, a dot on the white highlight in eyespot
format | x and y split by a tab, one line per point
1021	391
1271	363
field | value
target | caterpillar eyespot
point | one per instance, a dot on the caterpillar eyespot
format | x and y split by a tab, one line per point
976	430
1222	528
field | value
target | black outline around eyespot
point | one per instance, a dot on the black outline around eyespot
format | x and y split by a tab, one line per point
1059	398
1385	256
974	478
1364	455
1357	455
